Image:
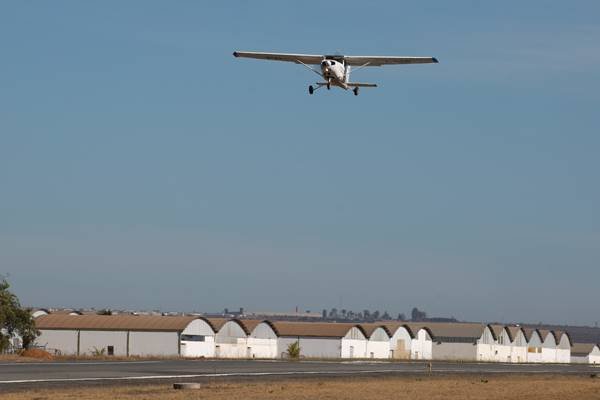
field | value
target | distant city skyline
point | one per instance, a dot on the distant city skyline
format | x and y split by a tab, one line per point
308	314
143	166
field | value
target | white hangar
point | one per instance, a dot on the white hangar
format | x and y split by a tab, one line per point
534	345
556	346
421	347
43	311
563	347
494	344
585	353
401	337
126	335
445	341
262	340
322	340
455	341
230	339
378	341
244	338
518	352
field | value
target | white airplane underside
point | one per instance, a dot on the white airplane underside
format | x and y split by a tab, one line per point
335	69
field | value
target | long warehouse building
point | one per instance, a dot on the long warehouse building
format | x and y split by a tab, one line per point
195	336
126	335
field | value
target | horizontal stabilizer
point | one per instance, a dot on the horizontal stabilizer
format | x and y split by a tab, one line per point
348	85
359	84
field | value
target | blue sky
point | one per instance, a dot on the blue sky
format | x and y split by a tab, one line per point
142	166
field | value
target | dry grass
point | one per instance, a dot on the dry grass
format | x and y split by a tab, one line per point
21	358
90	357
38	354
18	358
445	387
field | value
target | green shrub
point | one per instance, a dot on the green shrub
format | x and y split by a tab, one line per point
293	350
98	352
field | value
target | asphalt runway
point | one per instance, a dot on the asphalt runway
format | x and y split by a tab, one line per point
14	375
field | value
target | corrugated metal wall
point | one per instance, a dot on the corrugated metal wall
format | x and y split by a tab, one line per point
63	341
454	351
312	347
153	343
92	341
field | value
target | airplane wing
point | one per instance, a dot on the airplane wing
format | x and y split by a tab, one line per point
371	61
295	58
378	61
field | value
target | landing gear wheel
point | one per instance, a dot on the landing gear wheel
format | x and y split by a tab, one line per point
355	90
328	86
311	89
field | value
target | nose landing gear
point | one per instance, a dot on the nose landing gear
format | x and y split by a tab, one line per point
311	89
355	90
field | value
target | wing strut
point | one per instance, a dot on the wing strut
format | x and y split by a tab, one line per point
362	66
311	68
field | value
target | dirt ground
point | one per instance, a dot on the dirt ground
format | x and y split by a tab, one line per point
413	388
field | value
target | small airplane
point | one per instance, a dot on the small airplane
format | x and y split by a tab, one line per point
335	69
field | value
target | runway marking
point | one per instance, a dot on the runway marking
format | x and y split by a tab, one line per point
218	375
286	373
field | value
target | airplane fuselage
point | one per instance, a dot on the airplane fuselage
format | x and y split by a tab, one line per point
334	72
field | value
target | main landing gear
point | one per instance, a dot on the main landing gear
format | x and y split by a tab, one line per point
312	89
